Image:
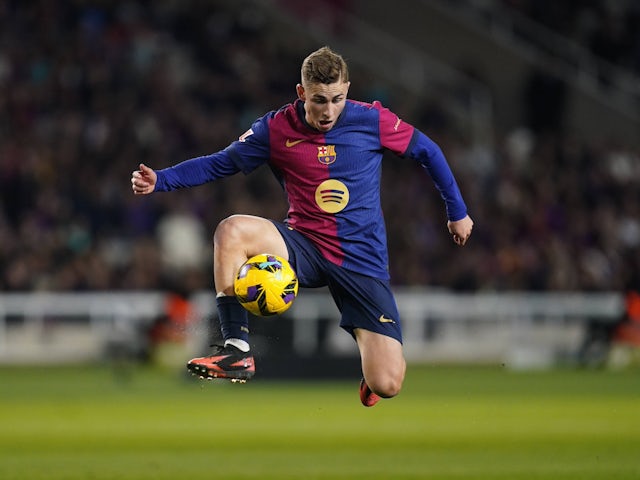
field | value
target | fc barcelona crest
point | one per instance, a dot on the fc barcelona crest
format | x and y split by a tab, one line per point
327	154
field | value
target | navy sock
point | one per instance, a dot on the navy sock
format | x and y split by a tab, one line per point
234	319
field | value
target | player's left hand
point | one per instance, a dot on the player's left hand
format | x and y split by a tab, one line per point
460	229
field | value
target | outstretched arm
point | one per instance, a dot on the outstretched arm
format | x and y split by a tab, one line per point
143	180
189	173
243	155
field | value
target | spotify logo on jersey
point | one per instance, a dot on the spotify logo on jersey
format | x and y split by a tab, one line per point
332	196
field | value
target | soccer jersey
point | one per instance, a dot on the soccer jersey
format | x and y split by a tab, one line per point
331	179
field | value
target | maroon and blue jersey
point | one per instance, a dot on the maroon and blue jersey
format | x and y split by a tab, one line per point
331	179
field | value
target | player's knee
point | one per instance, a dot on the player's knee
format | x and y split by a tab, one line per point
229	231
387	386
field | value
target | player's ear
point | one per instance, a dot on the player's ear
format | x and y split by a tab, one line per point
300	92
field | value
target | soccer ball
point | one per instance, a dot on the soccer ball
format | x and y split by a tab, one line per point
266	285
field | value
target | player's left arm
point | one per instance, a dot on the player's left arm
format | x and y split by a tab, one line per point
430	156
406	140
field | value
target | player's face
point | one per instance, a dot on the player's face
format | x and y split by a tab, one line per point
323	103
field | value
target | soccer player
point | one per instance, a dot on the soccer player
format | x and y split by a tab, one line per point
326	150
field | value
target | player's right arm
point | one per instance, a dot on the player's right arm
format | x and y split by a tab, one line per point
245	154
189	173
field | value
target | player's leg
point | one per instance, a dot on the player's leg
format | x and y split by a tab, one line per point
370	314
236	239
383	363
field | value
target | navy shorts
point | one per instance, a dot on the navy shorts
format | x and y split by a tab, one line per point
364	302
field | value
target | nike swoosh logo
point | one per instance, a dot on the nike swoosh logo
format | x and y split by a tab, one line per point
384	319
291	143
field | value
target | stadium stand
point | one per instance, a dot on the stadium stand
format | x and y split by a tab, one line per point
88	91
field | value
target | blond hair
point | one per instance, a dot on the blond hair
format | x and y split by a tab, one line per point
324	66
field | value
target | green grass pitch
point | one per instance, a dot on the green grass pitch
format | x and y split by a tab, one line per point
448	423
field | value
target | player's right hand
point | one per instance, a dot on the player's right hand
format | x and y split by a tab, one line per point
143	181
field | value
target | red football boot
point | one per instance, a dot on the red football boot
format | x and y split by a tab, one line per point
367	397
225	362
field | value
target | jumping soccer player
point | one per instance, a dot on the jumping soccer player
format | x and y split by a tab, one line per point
326	151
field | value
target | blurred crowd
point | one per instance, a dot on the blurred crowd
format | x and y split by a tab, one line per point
608	29
88	91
